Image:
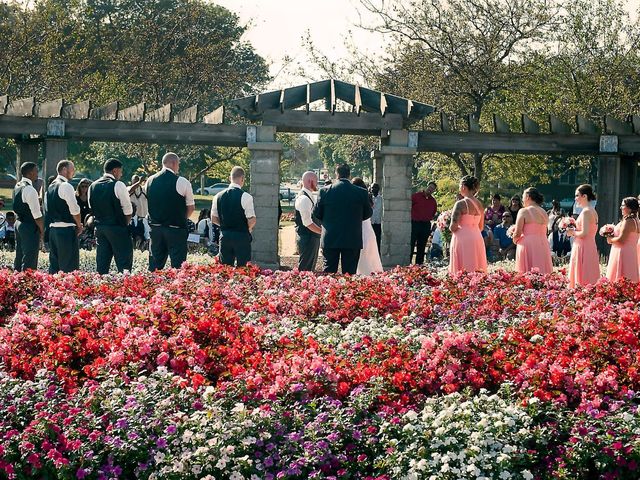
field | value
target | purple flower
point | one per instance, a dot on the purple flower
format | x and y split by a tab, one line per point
268	462
81	473
121	423
161	443
171	429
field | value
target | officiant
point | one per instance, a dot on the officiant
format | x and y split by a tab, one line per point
307	229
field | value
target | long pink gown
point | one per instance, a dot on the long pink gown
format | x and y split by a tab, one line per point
532	250
584	266
623	258
467	251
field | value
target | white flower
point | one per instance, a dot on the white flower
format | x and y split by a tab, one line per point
504	475
527	475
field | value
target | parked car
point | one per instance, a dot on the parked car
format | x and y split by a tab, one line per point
287	193
77	178
7	180
213	189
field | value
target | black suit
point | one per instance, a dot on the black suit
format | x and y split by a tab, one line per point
342	207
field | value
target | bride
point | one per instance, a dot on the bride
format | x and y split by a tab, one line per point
369	256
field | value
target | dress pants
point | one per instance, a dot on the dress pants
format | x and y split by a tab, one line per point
64	251
27	246
308	246
235	247
419	235
113	241
167	242
348	256
377	229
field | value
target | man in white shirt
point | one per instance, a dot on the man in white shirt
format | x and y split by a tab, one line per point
109	200
30	224
376	217
233	210
171	203
139	200
307	230
62	219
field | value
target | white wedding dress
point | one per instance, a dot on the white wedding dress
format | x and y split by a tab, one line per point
369	257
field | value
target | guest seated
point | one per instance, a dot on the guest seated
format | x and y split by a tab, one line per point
507	249
559	242
487	236
8	232
493	213
436	252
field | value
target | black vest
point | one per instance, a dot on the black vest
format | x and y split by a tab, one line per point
166	206
230	211
301	230
21	208
105	205
57	208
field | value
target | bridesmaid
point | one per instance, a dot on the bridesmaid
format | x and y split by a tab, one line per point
532	245
584	267
623	258
467	252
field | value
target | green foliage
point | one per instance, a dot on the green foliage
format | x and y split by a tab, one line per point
352	150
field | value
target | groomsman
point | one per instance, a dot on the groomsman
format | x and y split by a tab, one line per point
30	224
109	200
139	201
171	203
307	231
233	210
62	218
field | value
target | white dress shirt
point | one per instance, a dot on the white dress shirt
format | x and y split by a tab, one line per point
376	217
30	197
183	187
246	201
68	194
122	194
305	206
139	199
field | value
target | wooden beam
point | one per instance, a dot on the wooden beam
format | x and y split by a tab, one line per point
635	121
131	132
383	104
357	106
299	121
330	101
319	90
528	125
345	92
282	100
268	101
52	109
188	115
500	125
445	123
21	108
162	114
216	117
399	105
615	127
106	112
4	101
294	97
586	126
473	123
515	143
557	126
78	111
245	106
135	113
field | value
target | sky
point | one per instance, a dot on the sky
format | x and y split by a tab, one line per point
277	27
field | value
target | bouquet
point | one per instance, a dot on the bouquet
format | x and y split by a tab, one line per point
566	222
443	222
511	231
607	230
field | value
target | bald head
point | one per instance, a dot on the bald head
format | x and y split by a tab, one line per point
310	181
171	160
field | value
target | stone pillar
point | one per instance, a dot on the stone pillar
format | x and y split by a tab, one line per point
265	189
397	159
608	190
629	176
27	152
55	150
376	158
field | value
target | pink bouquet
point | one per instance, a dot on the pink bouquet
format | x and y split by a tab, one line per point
607	230
443	222
567	222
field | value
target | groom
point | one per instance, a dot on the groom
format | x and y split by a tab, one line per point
342	207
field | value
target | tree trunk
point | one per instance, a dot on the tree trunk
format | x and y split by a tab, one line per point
478	167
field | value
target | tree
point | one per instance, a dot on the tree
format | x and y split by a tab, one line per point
355	151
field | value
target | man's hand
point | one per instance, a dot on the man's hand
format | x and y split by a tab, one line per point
78	229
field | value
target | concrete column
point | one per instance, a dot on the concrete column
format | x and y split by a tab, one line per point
608	190
265	189
397	160
55	150
376	158
629	176
27	152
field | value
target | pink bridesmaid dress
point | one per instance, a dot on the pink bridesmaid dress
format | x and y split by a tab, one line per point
623	258
467	251
532	249
584	266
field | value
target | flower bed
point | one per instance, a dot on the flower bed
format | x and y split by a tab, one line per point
210	371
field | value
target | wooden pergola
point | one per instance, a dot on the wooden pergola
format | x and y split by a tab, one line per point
391	118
